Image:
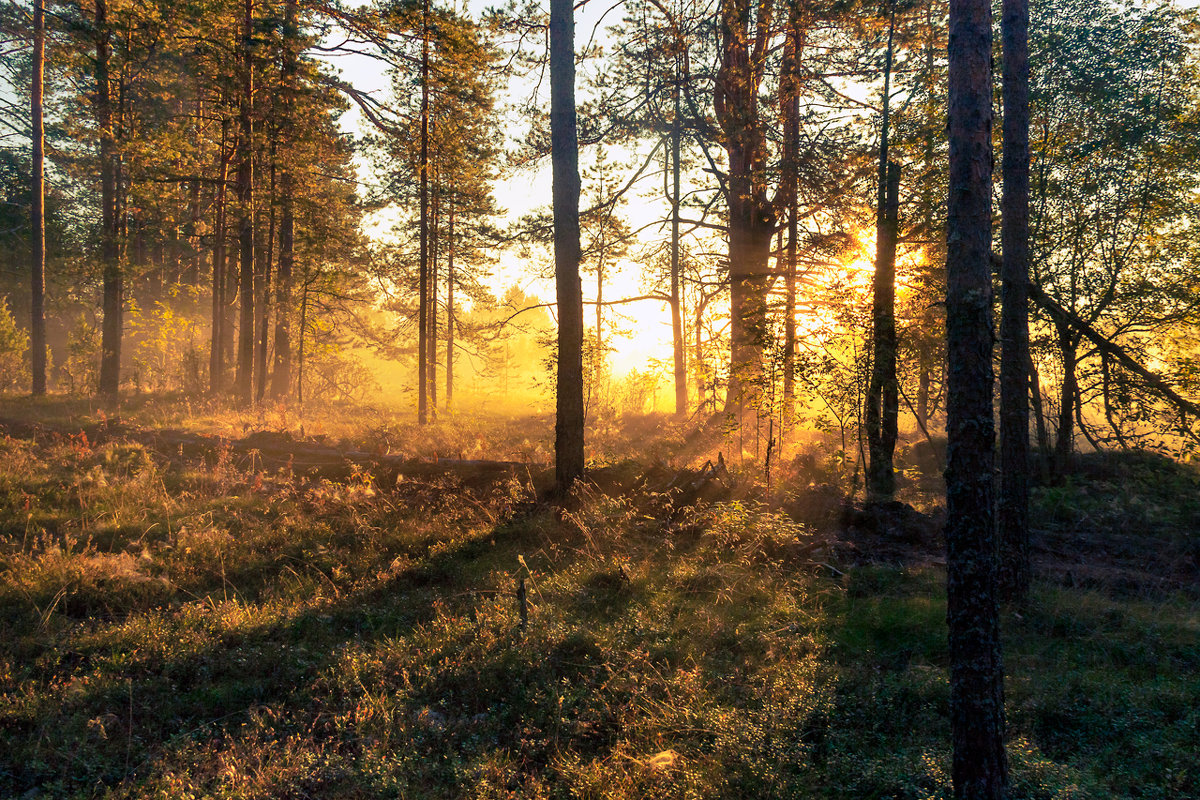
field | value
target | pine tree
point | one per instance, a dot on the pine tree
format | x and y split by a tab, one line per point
979	768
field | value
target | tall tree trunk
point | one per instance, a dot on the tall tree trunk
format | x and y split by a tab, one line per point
698	368
923	380
216	357
110	223
300	345
423	277
1064	446
281	373
681	394
751	213
37	205
1039	416
450	302
434	234
599	354
262	292
793	241
980	769
1014	312
882	395
245	191
564	143
229	326
883	399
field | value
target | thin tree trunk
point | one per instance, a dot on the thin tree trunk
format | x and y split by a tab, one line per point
979	765
230	281
113	288
1065	444
1043	434
790	177
698	357
245	191
216	358
882	395
423	278
431	358
281	373
37	317
923	379
883	401
450	302
263	296
568	428
300	348
676	301
1014	314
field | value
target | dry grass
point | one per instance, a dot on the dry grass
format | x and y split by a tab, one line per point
177	630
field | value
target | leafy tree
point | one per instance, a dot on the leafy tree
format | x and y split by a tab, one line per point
1113	118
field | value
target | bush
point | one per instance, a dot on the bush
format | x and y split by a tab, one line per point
14	349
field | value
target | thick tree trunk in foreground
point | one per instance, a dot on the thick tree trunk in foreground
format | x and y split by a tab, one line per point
568	428
245	190
980	770
37	205
113	281
1014	312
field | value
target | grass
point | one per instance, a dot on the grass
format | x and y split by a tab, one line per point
176	631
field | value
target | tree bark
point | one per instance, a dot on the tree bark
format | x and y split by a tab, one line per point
431	357
568	429
883	402
1064	445
262	294
37	205
450	302
110	257
245	190
680	358
751	213
423	278
979	770
789	89
281	373
1013	512
883	398
216	357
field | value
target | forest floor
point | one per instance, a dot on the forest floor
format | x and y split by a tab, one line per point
181	617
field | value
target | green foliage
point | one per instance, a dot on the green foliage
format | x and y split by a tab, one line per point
80	370
165	343
14	349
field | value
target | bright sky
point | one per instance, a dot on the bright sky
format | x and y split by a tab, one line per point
648	321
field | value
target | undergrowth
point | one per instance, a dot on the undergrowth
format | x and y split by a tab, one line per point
178	631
